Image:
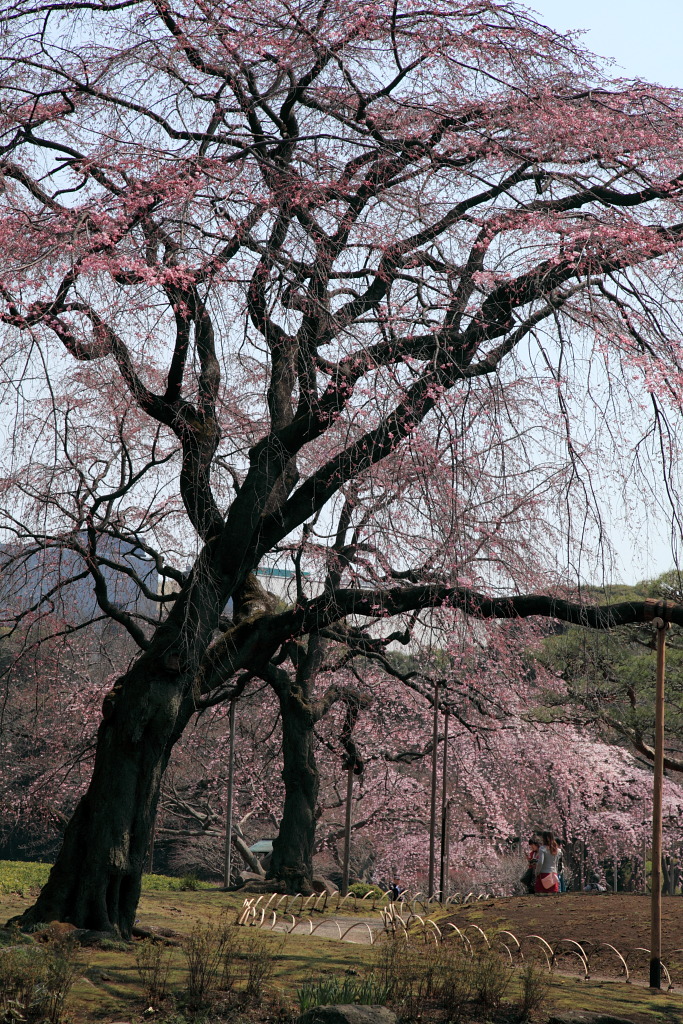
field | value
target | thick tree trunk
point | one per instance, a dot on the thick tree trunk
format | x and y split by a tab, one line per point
291	863
95	882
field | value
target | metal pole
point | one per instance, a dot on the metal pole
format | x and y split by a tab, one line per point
583	863
347	834
616	875
150	861
656	898
228	818
432	813
645	867
446	854
443	874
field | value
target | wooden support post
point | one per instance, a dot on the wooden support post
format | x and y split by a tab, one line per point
443	874
656	897
432	812
227	860
347	833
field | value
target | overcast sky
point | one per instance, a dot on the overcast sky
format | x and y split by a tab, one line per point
643	36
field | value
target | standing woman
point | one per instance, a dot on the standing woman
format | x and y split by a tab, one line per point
547	879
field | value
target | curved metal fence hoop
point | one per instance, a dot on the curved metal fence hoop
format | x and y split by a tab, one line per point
504	931
463	938
545	949
574	949
358	924
475	927
579	950
516	951
606	945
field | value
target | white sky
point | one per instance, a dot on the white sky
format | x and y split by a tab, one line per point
644	38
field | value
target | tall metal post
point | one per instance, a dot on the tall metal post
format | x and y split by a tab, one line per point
150	859
446	853
228	815
443	874
347	833
656	897
432	813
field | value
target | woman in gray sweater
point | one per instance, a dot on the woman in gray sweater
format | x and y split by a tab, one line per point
547	879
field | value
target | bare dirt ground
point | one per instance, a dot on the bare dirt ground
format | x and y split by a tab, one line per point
622	919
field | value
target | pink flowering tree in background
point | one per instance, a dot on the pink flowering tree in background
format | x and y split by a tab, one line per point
511	772
54	681
360	288
508	775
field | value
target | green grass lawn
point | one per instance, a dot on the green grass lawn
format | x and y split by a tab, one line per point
25	878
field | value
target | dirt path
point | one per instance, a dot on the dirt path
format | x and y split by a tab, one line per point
349	929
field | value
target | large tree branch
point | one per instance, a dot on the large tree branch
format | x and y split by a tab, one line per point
373	603
635	738
253	642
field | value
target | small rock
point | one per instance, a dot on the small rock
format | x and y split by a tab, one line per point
352	1014
262	887
321	884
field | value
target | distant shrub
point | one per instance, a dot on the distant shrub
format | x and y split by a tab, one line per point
190	883
361	889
